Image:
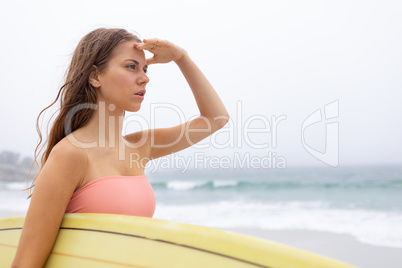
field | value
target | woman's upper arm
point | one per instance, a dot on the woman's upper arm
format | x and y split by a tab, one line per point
55	184
159	142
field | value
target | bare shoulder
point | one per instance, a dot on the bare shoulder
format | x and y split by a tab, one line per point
67	159
65	150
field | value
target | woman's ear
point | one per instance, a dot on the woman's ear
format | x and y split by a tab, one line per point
94	77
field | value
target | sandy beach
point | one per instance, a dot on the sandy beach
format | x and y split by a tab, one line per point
341	247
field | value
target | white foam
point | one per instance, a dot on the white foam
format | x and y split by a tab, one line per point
371	227
12	198
184	185
224	183
16	185
13	203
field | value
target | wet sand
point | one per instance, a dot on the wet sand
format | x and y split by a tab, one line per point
341	247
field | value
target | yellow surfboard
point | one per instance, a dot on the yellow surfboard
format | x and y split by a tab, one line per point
112	241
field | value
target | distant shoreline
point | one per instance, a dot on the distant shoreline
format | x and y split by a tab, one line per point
16	172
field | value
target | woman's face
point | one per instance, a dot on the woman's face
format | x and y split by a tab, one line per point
124	77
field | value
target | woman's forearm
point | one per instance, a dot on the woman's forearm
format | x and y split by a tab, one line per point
208	101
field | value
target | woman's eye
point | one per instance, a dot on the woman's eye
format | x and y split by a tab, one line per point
146	71
131	65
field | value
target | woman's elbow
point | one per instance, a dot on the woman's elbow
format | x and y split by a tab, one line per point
222	120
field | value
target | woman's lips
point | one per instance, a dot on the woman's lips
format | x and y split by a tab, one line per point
139	96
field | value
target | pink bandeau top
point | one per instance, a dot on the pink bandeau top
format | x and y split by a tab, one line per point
127	195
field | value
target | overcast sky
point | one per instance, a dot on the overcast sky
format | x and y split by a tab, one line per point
266	60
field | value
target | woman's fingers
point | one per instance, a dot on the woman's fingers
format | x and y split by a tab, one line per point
151	41
151	44
163	50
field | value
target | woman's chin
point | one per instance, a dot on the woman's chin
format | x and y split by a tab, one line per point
134	109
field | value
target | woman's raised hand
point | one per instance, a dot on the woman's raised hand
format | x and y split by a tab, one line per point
163	50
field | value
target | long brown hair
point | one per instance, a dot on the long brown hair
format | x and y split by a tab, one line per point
94	50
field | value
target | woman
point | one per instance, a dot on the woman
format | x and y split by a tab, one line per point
87	160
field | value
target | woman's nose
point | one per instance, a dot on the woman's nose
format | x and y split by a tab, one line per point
144	78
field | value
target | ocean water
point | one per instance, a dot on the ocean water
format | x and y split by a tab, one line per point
365	201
